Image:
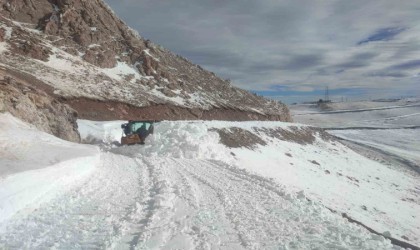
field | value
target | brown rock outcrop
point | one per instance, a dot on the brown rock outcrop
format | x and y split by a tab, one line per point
31	49
38	108
25	11
104	59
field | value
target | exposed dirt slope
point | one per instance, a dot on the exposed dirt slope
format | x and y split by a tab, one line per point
237	137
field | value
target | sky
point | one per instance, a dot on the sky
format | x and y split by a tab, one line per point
291	50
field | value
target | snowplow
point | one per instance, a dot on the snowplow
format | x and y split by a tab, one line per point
136	132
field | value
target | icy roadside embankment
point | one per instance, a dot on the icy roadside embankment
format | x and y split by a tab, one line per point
302	160
36	166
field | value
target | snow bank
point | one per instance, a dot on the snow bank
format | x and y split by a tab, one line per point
178	139
35	166
100	132
189	140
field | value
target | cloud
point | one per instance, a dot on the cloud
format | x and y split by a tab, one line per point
295	44
413	64
213	57
387	73
299	62
358	60
303	89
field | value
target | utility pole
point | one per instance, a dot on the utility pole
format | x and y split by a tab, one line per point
327	94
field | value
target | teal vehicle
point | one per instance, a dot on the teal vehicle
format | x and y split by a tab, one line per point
135	132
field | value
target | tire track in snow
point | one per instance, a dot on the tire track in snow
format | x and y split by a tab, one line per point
172	201
167	203
159	204
264	217
235	207
209	222
137	214
219	201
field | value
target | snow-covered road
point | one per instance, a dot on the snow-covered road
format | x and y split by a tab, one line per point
188	189
172	203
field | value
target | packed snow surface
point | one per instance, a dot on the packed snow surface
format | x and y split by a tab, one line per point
186	190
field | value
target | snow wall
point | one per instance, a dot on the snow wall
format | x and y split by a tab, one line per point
36	166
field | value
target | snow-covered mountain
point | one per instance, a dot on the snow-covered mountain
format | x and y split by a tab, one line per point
80	52
200	185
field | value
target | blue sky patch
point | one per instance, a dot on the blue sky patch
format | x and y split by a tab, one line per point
385	34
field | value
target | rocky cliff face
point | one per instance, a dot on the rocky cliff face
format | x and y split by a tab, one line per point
89	56
33	105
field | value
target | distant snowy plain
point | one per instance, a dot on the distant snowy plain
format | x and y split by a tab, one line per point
390	127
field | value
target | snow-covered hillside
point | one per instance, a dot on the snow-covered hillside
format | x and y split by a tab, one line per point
275	187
